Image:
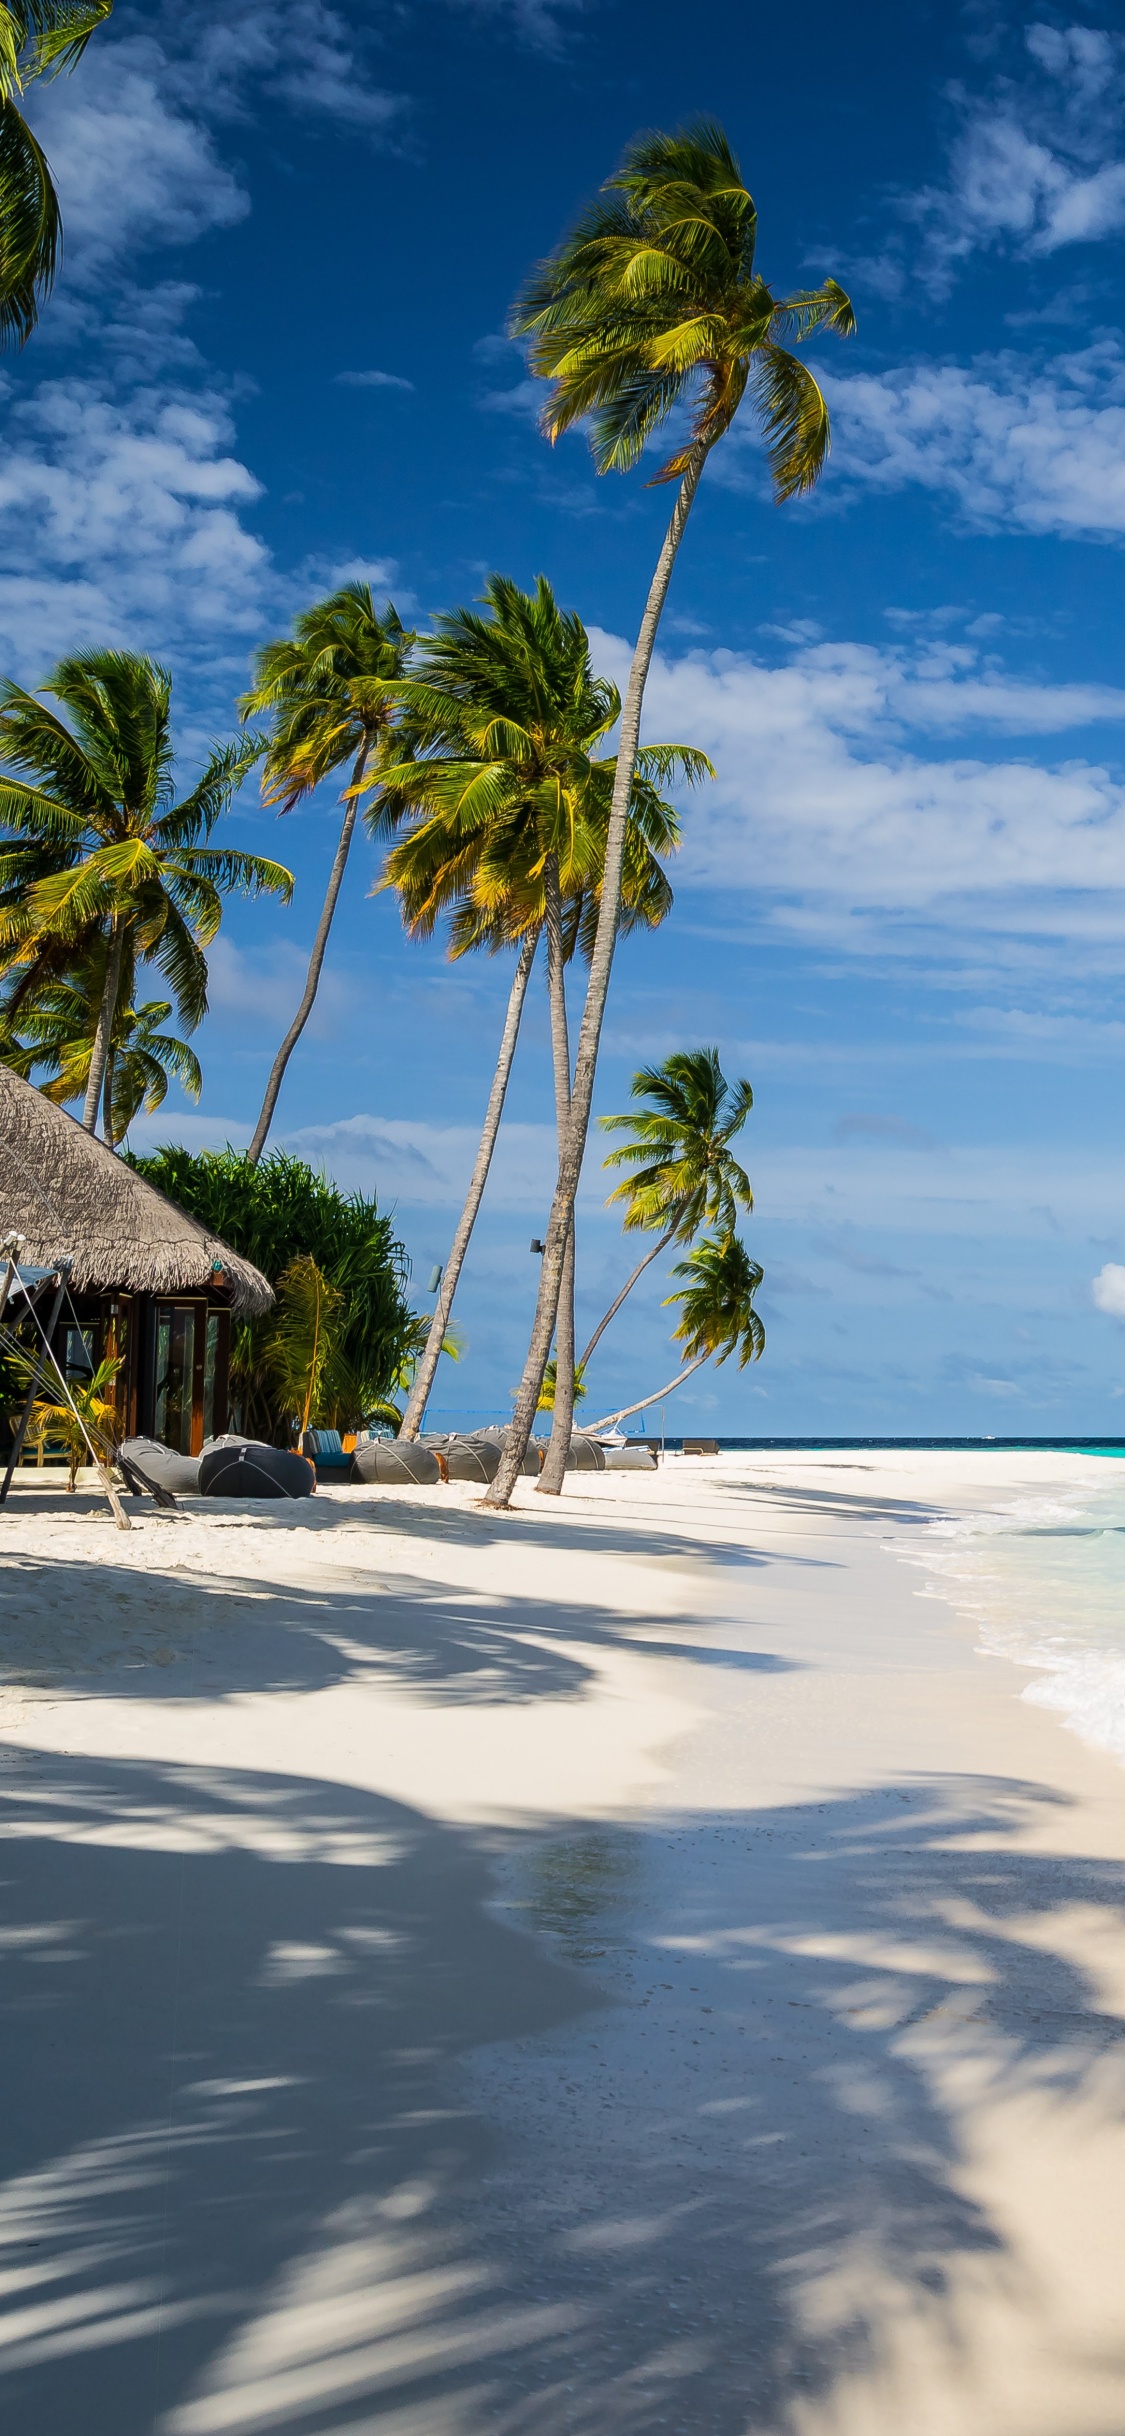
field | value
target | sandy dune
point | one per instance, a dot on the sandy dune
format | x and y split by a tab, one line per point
624	1966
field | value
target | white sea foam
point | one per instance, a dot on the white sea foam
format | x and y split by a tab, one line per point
1044	1581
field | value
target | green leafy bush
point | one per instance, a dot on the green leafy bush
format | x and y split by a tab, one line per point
278	1213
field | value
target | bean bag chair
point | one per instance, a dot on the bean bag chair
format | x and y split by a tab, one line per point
248	1469
473	1458
161	1466
532	1463
630	1458
585	1455
391	1464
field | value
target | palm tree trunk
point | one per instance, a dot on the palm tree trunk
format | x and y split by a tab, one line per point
643	1402
99	1055
597	991
627	1288
424	1376
316	961
562	1425
108	1134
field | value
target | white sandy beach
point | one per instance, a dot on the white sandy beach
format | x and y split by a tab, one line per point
628	1965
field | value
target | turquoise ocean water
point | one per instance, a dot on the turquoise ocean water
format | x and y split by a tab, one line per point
1044	1580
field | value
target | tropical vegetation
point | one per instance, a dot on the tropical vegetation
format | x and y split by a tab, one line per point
330	693
653	305
717	1316
54	1036
37	38
684	1174
500	806
350	1324
499	774
102	857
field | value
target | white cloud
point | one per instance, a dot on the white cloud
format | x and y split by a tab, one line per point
1108	1289
1037	447
372	380
131	168
823	796
120	519
131	136
1034	164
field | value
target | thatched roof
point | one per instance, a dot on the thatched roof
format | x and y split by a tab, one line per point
67	1193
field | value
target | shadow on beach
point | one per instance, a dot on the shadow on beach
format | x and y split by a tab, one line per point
310	2131
182	1635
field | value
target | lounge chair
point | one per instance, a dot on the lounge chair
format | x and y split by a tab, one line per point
325	1448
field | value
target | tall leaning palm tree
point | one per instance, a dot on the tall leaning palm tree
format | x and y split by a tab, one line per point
502	800
99	853
37	38
653	303
717	1317
330	691
683	1173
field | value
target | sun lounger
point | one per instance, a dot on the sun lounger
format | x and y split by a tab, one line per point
325	1448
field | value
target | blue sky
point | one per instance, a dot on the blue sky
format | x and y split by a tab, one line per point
277	357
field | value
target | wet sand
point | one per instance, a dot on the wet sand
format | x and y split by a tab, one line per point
625	1966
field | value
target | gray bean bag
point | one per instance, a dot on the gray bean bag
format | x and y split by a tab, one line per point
162	1465
249	1469
585	1455
473	1458
630	1458
533	1458
386	1463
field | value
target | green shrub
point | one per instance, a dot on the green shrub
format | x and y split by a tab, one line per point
274	1214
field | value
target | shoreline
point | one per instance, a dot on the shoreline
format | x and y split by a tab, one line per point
684	1974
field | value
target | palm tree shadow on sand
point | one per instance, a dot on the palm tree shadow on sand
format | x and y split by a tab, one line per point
305	2134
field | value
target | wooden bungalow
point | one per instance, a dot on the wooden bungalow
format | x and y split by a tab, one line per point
147	1282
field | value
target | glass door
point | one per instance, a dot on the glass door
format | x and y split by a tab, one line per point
175	1368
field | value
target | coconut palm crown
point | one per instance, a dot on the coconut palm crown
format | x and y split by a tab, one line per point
654	302
37	38
329	691
500	775
683	1168
98	847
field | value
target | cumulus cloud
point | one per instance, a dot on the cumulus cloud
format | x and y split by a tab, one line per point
1108	1289
826	793
1035	164
1037	447
132	139
121	520
132	168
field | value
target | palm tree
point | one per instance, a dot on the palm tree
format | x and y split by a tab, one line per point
503	804
58	1026
86	1419
37	38
330	690
99	850
653	303
718	1316
684	1173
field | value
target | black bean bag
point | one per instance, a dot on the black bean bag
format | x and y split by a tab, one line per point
585	1455
162	1465
389	1463
248	1469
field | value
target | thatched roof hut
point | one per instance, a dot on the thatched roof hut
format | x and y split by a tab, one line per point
68	1194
